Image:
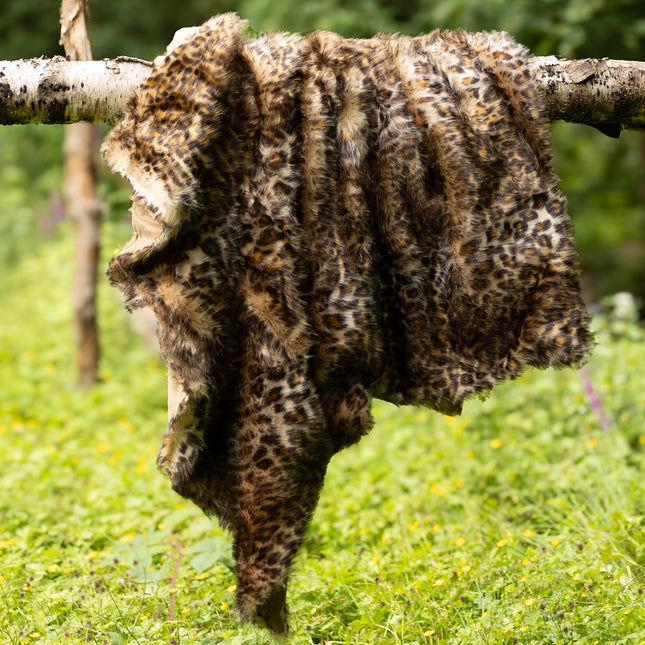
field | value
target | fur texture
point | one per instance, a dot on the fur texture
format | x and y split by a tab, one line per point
321	221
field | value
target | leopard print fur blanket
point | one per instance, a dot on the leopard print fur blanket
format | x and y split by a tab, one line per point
320	221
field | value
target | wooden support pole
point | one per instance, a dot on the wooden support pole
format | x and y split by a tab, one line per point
81	202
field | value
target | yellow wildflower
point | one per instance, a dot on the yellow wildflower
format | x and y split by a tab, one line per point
414	526
201	576
115	458
437	490
502	542
528	533
142	464
529	601
91	555
592	442
554	542
436	527
128	537
495	443
232	588
460	541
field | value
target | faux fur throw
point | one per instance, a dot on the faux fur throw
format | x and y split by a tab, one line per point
320	221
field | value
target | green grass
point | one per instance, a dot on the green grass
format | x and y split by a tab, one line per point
522	521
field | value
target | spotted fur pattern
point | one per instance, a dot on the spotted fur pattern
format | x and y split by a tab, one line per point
320	221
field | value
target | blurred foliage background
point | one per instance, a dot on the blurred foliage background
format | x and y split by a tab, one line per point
603	178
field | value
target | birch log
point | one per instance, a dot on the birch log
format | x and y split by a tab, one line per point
55	90
609	94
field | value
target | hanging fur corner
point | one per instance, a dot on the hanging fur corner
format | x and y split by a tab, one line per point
321	221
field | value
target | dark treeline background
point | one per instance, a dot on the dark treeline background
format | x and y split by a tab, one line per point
603	178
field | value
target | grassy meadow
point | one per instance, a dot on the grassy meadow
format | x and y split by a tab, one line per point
522	521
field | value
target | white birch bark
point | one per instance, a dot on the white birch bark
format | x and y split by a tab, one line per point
55	90
609	94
